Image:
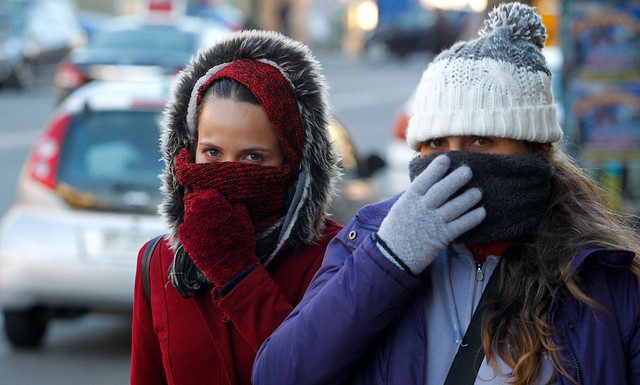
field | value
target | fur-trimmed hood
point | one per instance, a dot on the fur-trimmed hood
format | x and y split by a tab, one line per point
304	223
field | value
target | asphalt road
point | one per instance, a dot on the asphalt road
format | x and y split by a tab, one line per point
94	349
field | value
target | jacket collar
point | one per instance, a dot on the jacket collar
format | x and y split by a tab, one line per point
608	257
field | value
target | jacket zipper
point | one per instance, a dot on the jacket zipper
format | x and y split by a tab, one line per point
479	272
565	337
477	286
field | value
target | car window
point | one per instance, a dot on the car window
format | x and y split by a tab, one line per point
111	161
345	148
148	39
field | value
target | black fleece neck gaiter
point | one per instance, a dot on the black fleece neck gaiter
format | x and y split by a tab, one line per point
515	191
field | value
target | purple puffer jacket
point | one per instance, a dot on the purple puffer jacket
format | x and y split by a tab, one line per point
362	322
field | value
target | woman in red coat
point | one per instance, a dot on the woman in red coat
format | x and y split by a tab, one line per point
249	171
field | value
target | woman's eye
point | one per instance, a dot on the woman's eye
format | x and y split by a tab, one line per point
438	142
482	141
213	153
253	157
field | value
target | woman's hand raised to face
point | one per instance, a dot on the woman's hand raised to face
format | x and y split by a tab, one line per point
218	236
426	218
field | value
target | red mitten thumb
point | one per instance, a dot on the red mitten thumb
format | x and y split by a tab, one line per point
219	237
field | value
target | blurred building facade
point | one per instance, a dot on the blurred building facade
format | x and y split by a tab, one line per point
601	80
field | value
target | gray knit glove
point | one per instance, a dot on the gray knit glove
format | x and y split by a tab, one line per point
425	220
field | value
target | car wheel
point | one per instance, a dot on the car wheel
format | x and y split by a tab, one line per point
25	328
23	76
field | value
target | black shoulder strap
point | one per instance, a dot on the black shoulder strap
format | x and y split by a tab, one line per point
465	366
145	265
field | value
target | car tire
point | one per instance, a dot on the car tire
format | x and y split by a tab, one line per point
25	328
23	76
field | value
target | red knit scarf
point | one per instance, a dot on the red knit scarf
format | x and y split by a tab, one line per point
263	189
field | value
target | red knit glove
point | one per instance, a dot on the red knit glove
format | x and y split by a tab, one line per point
219	237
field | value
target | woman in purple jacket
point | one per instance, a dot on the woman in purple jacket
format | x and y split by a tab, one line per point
491	191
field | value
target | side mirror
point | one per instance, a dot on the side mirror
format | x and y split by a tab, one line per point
370	165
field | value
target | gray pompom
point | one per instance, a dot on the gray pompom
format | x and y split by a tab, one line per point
520	19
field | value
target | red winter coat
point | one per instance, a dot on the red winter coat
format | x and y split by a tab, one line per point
172	343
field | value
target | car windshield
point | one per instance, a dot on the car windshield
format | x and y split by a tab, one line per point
111	161
166	40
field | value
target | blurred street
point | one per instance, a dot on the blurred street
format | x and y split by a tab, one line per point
95	349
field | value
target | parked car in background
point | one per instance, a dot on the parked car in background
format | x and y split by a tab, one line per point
427	30
219	12
135	48
93	22
86	202
358	185
34	35
398	153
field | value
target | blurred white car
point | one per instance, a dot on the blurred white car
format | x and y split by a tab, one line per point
86	202
398	153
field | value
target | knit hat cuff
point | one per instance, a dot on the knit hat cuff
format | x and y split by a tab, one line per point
530	123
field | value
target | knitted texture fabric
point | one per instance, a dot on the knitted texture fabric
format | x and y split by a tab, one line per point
497	85
436	209
218	236
515	191
273	91
263	189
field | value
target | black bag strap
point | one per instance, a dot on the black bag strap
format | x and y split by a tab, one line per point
145	264
466	363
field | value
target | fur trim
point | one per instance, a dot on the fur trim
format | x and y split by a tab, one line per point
319	159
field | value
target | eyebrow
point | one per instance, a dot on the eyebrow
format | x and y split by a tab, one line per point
257	149
250	149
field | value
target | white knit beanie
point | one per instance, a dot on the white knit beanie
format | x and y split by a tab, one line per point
496	85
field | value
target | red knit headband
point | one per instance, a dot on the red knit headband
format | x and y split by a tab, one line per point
275	94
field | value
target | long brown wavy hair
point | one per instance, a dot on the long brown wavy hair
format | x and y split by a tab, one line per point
515	326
